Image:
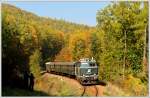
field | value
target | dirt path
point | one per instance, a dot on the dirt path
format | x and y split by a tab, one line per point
56	85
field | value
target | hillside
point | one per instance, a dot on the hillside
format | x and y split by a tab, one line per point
54	24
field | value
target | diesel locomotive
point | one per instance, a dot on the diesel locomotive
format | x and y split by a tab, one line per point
84	70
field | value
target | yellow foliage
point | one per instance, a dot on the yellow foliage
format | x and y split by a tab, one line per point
85	38
10	19
134	86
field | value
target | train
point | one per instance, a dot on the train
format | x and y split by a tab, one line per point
85	70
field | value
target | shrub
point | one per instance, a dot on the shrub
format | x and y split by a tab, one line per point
113	90
134	86
34	63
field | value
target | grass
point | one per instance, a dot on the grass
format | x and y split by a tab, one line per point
47	85
57	87
8	91
113	90
130	86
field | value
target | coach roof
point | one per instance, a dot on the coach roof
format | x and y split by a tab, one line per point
60	63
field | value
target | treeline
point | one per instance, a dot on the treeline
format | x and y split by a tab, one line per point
119	42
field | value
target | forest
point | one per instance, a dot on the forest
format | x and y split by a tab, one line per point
119	43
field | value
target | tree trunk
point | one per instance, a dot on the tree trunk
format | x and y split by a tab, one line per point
125	51
144	51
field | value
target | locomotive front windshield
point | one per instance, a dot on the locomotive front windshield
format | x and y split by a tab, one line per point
88	68
88	64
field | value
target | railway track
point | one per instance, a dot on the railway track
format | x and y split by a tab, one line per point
96	90
85	87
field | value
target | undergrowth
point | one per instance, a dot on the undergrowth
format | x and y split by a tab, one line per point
8	91
130	86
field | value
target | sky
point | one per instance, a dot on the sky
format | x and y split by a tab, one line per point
77	12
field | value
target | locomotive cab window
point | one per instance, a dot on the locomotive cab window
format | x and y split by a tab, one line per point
92	64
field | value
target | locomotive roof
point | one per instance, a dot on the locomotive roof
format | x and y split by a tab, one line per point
61	63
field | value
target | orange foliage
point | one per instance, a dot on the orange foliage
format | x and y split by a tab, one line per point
64	55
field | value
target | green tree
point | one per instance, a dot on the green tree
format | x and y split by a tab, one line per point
117	24
34	63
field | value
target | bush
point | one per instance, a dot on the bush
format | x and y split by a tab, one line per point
34	63
134	86
114	90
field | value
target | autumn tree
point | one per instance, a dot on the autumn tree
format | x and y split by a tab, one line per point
118	25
